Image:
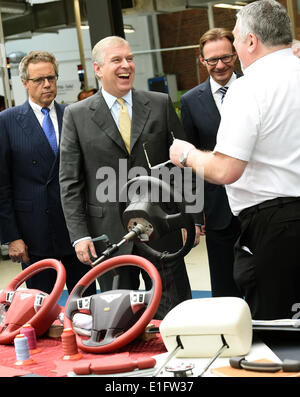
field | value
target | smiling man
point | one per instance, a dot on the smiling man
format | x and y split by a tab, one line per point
93	140
200	111
31	217
218	55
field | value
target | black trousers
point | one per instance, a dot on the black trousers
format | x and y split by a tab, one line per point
267	260
220	252
175	283
45	279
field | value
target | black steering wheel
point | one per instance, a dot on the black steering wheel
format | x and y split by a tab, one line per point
159	217
118	316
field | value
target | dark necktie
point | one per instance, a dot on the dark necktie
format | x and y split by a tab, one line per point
223	91
49	130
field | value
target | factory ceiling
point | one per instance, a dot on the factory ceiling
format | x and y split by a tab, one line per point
23	18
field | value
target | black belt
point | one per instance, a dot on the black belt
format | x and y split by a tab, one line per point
279	201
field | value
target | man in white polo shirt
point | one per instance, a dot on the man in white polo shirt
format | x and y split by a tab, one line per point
257	157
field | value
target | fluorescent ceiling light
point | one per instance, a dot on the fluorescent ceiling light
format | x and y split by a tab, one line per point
232	6
129	29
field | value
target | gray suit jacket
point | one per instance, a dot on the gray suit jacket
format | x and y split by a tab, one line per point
91	141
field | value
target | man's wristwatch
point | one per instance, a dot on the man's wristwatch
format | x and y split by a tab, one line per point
183	157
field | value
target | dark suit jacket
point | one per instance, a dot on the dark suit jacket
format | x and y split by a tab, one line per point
30	207
201	119
91	141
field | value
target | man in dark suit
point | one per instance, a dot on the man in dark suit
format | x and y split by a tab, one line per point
200	110
31	216
92	143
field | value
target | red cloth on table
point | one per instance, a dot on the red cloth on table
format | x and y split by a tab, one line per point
48	362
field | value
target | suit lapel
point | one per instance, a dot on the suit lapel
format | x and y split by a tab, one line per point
55	165
103	118
208	103
31	127
59	113
140	114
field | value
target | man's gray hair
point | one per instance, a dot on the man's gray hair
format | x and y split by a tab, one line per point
98	52
268	20
36	57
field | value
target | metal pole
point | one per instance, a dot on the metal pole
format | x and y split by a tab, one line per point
4	71
80	43
185	47
290	10
210	14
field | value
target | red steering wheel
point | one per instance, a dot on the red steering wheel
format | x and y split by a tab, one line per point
30	305
118	316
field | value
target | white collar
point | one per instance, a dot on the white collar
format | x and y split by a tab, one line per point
111	99
215	86
37	107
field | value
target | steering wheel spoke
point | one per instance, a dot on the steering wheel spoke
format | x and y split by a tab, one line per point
9	296
84	303
97	339
176	221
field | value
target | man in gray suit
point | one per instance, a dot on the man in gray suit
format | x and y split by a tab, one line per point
91	140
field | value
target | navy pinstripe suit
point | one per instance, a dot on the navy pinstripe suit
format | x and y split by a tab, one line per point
30	207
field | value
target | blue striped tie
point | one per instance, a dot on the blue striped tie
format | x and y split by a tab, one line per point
49	130
223	91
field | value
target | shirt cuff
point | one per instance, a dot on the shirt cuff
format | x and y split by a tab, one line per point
81	239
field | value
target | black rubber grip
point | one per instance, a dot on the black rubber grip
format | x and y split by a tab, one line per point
235	362
291	366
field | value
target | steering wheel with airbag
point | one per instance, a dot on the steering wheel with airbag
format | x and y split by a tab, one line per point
21	306
118	316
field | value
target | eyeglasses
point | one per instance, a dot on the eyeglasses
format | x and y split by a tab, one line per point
224	59
41	80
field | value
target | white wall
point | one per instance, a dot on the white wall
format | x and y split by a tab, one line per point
64	46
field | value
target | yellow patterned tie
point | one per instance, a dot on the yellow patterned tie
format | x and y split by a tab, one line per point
125	124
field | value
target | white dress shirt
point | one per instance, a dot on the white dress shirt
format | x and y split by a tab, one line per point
260	125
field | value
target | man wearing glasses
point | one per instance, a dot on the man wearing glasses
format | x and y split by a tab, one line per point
200	110
31	217
257	157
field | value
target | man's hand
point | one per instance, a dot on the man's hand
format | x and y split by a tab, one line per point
177	148
202	230
85	249
18	251
198	232
217	168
